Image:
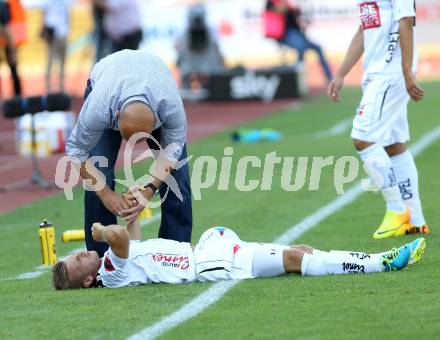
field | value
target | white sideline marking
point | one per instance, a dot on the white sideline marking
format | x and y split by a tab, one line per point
335	130
41	269
217	290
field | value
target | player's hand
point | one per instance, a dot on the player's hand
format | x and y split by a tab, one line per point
334	87
113	201
130	200
98	232
141	197
414	90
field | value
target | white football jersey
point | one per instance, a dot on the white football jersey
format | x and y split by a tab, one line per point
156	260
380	24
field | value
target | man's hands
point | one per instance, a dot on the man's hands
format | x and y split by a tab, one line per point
113	201
128	205
334	87
138	198
98	232
414	90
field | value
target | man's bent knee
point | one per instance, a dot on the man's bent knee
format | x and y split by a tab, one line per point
303	247
360	144
292	259
395	149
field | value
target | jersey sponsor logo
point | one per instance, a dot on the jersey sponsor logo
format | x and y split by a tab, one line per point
370	15
173	261
108	265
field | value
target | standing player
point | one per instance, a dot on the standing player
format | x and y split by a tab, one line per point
380	128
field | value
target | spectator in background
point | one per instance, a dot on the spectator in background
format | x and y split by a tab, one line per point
122	23
56	28
198	51
12	33
101	40
294	34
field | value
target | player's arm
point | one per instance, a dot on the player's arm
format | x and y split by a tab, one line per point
354	53
407	45
85	135
134	230
116	236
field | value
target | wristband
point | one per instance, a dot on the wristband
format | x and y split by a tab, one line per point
152	187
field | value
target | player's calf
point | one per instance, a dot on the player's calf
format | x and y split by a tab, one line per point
292	260
304	247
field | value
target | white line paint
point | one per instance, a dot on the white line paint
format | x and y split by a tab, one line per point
335	130
41	269
31	275
191	309
219	289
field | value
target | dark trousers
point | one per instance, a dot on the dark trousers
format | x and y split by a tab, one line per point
297	40
176	223
130	42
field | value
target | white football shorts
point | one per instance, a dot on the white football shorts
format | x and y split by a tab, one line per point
382	113
226	259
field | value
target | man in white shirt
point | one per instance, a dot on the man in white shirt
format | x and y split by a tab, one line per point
380	127
219	255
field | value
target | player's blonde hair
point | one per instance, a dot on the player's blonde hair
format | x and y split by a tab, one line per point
60	277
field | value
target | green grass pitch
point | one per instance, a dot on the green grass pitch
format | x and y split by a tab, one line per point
396	305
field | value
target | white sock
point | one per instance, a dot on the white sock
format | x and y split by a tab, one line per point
324	263
408	182
378	165
357	254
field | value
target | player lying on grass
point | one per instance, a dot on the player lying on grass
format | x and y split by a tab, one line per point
219	255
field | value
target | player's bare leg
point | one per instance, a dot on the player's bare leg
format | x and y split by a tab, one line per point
292	259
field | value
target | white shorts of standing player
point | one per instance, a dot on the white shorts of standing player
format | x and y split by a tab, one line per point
382	113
